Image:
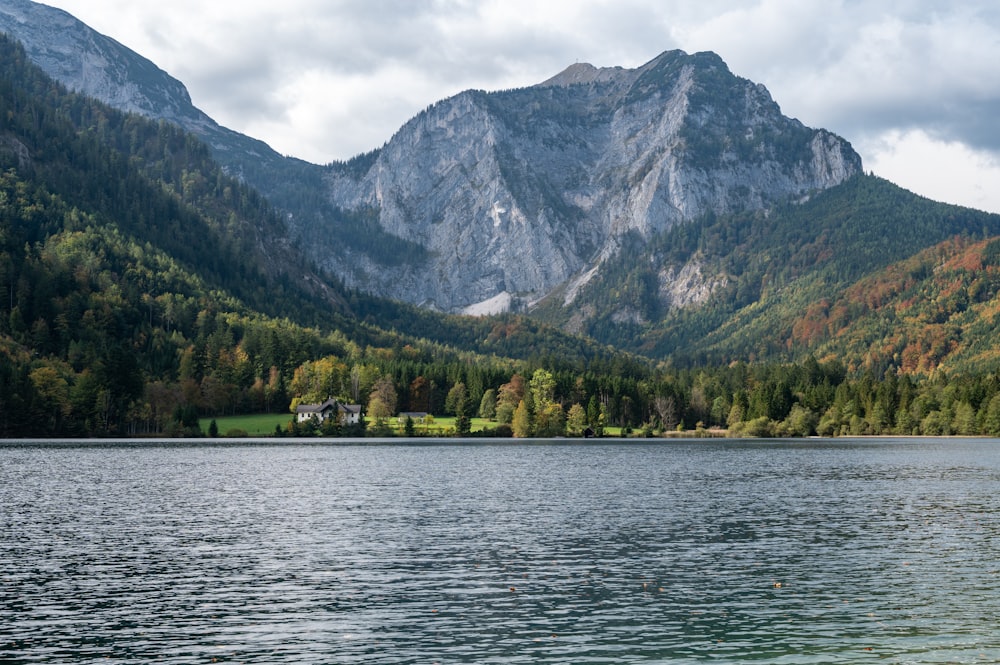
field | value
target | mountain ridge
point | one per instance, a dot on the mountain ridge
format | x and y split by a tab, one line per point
89	62
514	213
522	183
579	73
666	209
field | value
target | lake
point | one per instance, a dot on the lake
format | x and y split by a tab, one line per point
815	551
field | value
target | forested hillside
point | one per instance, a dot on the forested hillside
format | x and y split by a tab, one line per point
937	310
141	286
761	271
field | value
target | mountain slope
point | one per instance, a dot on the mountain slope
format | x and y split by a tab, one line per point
518	192
936	310
733	287
95	65
89	62
137	277
489	201
669	209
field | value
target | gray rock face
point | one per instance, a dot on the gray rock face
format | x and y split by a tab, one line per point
88	62
509	196
517	193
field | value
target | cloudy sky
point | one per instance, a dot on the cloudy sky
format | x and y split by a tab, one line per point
913	84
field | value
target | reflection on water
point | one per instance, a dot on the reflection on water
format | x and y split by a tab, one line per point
805	552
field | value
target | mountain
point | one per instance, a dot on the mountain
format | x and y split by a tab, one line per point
140	283
490	201
734	287
514	194
670	210
95	65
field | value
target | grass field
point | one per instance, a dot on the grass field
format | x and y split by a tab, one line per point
263	424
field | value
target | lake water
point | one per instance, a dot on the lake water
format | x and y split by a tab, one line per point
837	551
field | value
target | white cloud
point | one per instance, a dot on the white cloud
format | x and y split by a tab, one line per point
940	170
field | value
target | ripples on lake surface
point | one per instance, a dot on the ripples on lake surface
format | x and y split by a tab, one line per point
776	552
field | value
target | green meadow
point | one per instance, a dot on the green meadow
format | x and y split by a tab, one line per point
264	424
260	424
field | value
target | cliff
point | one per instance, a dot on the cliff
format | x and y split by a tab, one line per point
517	193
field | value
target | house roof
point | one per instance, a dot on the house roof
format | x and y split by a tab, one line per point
317	408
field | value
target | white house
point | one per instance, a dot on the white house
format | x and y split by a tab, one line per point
347	414
350	414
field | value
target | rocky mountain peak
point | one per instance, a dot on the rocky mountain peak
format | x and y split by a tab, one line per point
93	64
583	72
88	62
524	192
493	200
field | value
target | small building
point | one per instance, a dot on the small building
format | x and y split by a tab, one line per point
346	414
415	416
350	414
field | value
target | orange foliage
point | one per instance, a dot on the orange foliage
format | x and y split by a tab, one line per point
810	327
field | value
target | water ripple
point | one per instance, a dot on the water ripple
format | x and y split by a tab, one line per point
819	552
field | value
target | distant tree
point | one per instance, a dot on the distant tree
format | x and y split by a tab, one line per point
488	405
53	393
274	390
736	414
379	410
576	421
936	423
186	421
463	424
510	394
593	412
355	383
505	413
420	394
964	420
384	396
666	411
991	423
455	402
550	420
543	388
362	380
801	421
521	422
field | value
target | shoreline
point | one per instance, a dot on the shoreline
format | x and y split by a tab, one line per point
189	442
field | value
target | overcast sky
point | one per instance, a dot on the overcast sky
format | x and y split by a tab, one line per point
914	85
